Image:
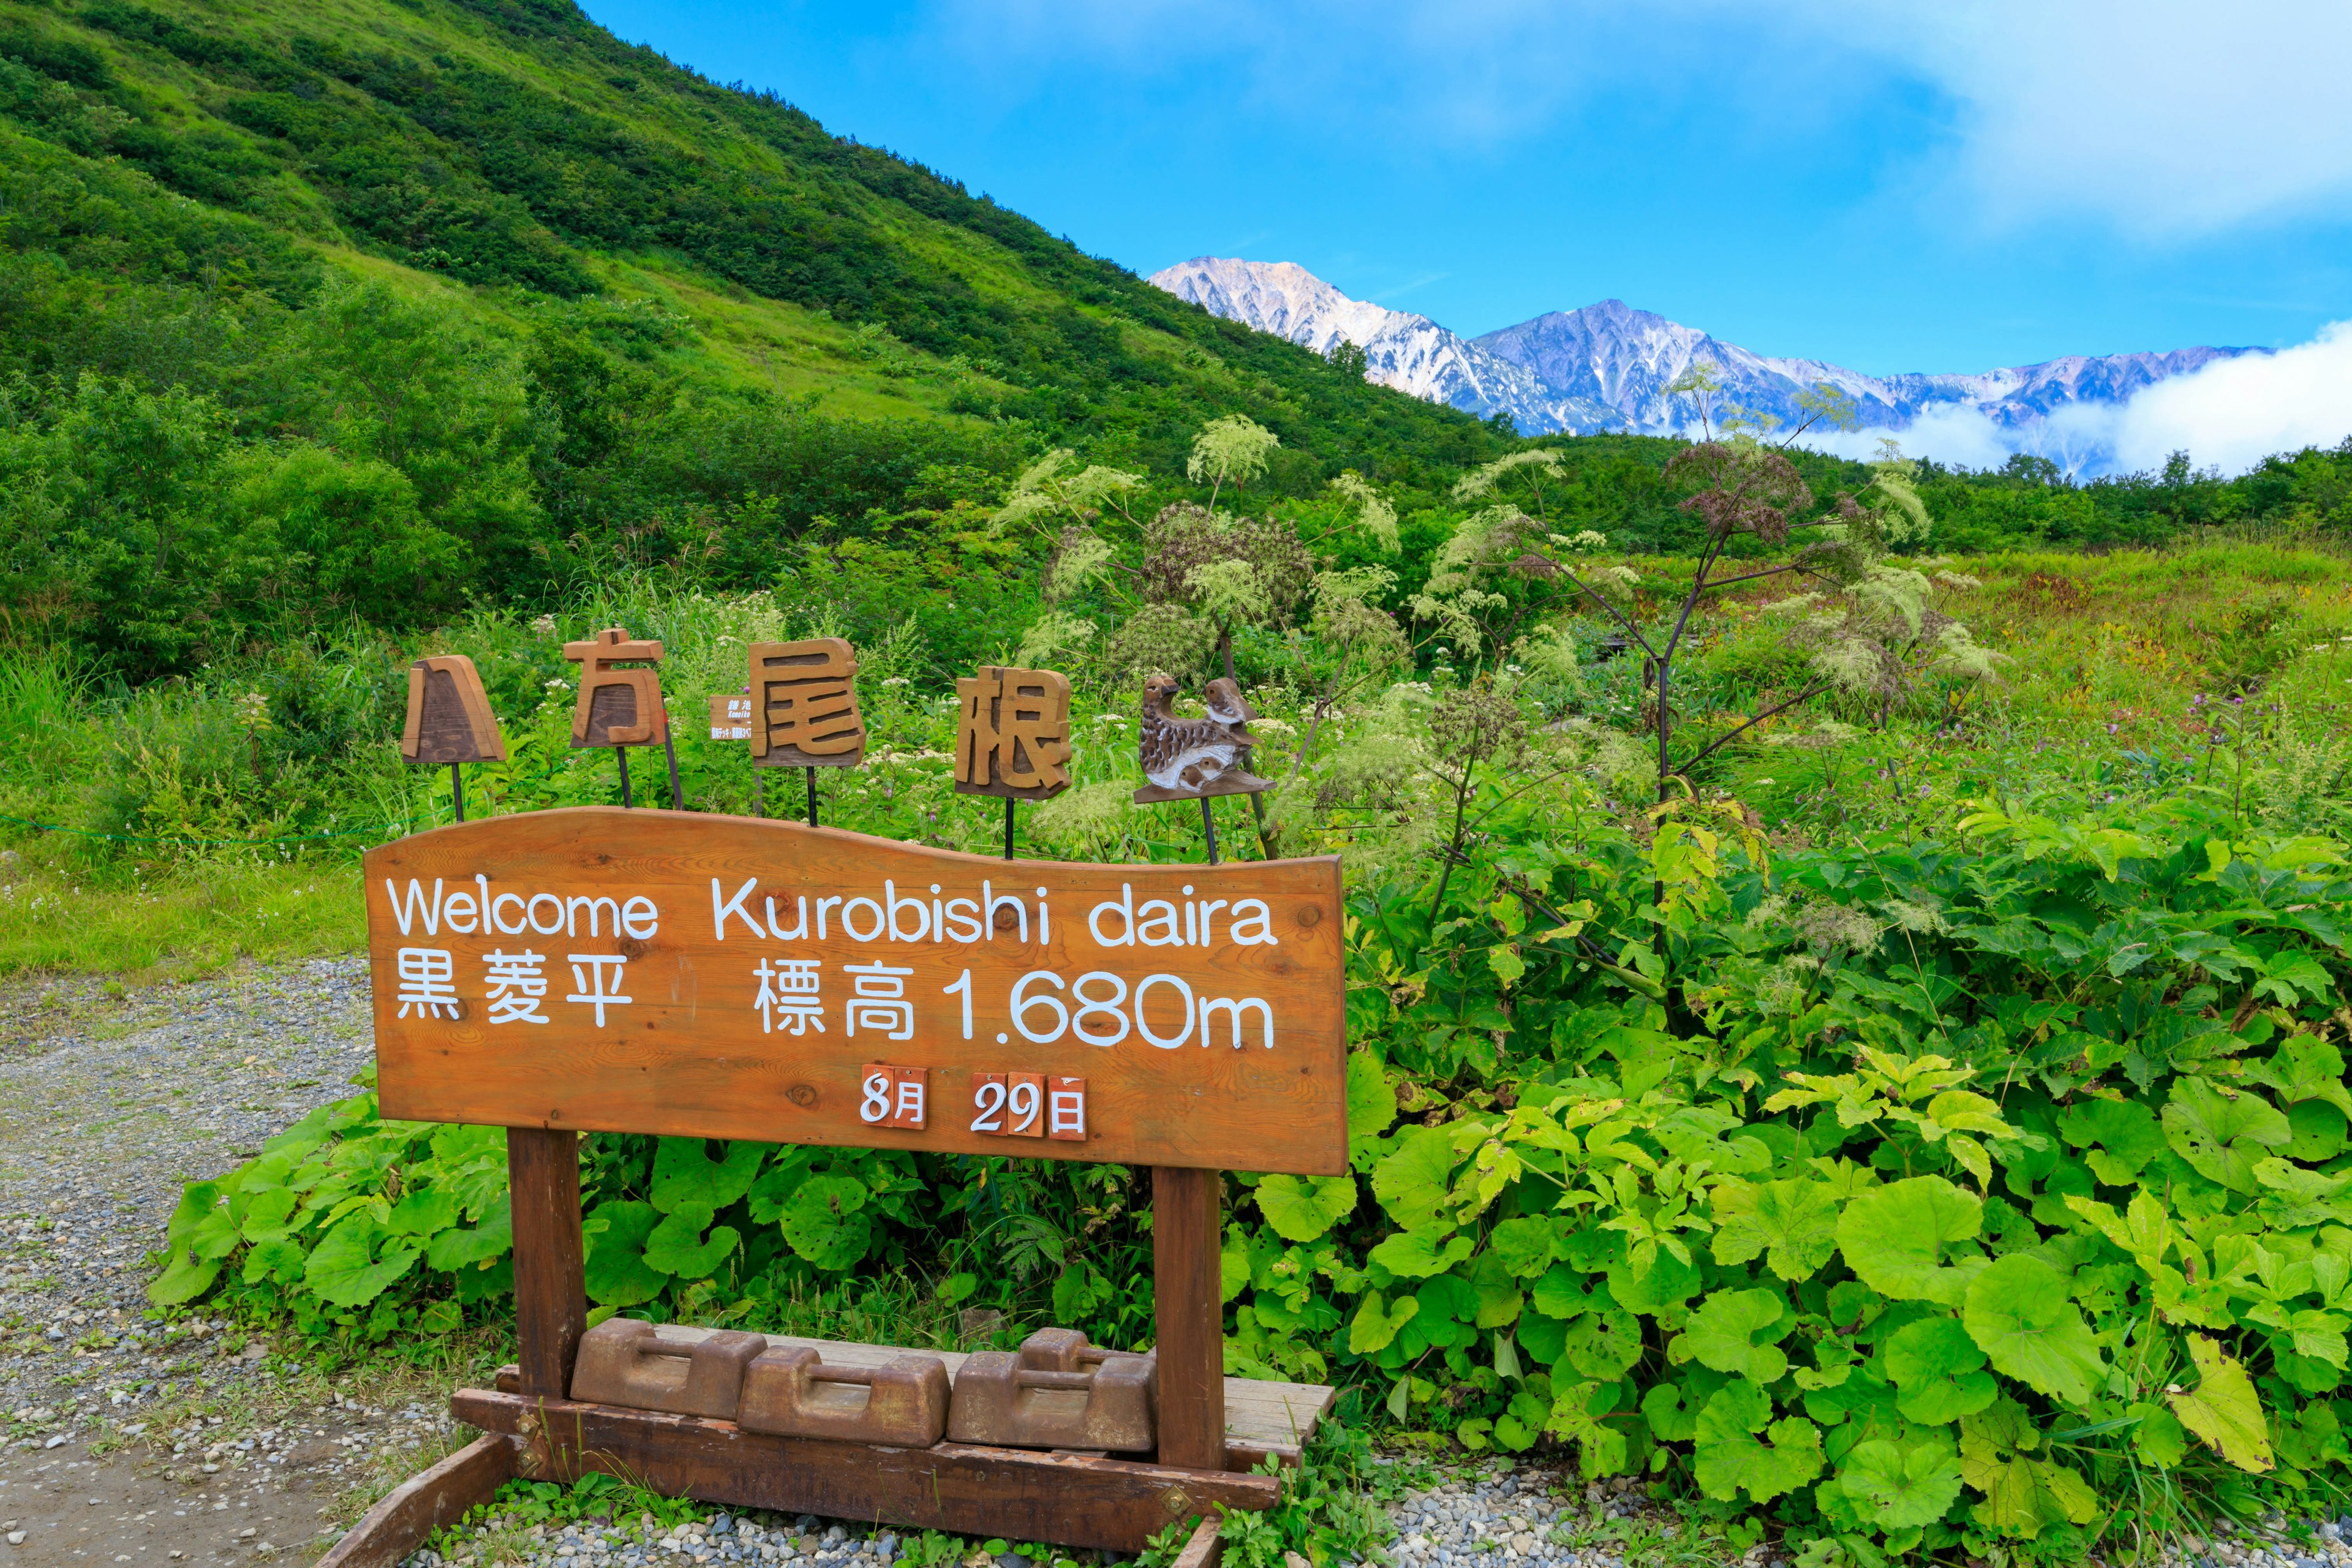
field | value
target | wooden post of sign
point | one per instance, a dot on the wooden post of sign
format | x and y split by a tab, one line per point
1189	1310
550	1285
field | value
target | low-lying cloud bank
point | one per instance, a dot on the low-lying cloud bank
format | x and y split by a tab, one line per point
2231	415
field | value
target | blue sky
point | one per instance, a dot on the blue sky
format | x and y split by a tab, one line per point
1894	188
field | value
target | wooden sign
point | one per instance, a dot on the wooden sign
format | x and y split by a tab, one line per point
449	717
616	707
1012	738
726	977
806	700
1187	758
730	717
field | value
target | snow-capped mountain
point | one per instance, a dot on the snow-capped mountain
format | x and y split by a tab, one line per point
1607	366
1412	354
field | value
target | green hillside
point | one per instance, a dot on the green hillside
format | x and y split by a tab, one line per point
386	304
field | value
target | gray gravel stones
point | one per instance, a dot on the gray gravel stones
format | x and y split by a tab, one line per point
108	1104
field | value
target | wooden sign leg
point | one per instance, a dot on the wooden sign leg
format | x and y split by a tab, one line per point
550	1289
1188	1304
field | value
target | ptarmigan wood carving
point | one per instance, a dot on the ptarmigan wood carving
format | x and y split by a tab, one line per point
1186	759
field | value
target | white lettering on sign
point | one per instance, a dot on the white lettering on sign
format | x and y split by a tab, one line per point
1098	1007
548	914
588	973
892	916
1157	923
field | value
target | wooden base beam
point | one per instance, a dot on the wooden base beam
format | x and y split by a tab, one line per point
1018	1494
429	1500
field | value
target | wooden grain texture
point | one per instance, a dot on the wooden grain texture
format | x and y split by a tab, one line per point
1013	733
617	707
806	703
450	718
691	1053
425	1503
550	1297
1188	1308
1206	1547
1020	1495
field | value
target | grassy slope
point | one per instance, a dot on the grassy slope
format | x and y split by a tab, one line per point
517	147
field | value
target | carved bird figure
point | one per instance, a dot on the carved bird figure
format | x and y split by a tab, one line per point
1188	753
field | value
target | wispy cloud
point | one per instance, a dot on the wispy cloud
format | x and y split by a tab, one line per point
2166	119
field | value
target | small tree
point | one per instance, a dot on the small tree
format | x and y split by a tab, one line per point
1505	566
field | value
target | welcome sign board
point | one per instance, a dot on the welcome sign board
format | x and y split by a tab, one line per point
728	977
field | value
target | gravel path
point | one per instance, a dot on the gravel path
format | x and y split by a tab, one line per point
126	1440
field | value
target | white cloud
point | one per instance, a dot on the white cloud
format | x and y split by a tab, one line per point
2231	415
2234	413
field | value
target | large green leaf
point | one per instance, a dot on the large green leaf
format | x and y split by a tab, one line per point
1793	1222
425	1212
184	1279
1414	1254
684	1172
485	1243
2119	1135
1896	1238
1938	1372
1524	1245
1663	1283
2223	1409
1499	1296
1604	1344
1564	1291
1738	1331
278	1261
2019	1313
678	1247
617	1275
2307	1067
347	1271
1732	1458
826	1221
1301	1208
2021	1495
1372	1109
1411	1183
1903	1489
2224	1132
1376	1323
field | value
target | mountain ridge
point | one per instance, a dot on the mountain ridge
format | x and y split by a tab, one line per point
1606	366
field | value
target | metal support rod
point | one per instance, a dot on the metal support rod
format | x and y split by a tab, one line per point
622	753
457	787
670	746
812	783
1208	827
1008	827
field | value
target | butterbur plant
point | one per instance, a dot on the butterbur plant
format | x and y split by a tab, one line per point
1920	1225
